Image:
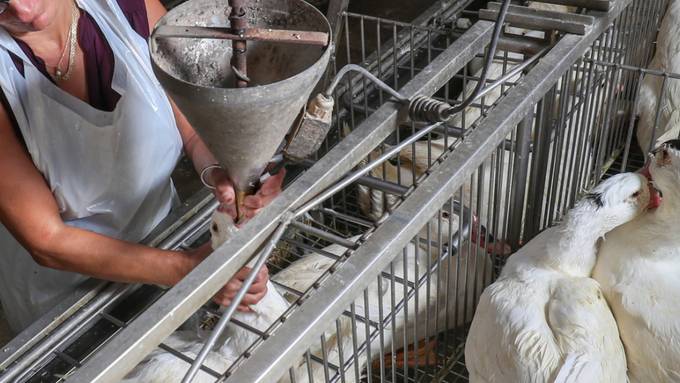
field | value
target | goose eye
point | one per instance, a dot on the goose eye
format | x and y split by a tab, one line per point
636	194
214	227
445	215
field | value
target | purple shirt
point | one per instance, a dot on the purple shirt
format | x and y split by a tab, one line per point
97	54
99	60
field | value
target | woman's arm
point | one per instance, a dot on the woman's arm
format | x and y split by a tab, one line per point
29	211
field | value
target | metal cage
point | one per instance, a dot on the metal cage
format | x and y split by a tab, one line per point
382	277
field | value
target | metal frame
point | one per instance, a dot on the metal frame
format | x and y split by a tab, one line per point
307	324
171	310
512	156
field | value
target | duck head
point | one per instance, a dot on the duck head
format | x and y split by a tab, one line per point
221	229
618	200
664	167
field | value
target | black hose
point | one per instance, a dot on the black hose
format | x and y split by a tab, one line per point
424	108
491	53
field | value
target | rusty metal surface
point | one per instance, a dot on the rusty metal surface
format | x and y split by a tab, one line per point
239	23
250	34
243	127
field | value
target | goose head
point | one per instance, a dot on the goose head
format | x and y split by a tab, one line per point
617	200
222	228
664	167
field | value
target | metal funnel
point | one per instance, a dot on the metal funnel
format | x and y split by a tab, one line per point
243	127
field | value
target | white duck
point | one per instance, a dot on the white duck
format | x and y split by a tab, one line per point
544	319
163	367
303	273
651	98
638	269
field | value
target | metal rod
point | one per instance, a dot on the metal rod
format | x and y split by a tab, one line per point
359	173
520	170
110	293
249	34
239	24
229	312
334	16
382	185
324	235
356	68
239	65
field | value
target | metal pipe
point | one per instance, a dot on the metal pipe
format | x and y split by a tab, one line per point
110	293
520	171
361	172
356	68
382	185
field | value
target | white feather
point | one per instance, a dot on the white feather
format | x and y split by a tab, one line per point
667	59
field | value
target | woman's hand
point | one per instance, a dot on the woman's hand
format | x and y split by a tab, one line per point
224	297
269	190
256	292
253	204
224	189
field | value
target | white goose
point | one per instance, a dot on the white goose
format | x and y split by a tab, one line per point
544	319
651	97
639	268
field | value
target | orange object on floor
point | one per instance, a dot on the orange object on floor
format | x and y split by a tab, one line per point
424	355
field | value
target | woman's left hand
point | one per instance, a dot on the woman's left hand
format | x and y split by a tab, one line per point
256	292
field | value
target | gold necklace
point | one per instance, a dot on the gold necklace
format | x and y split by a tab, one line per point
72	40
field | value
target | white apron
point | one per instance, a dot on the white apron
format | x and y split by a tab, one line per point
109	171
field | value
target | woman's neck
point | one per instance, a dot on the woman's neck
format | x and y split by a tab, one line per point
49	43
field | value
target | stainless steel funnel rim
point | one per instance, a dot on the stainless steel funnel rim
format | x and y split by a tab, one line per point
241	91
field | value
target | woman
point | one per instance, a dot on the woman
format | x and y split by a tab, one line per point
88	140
